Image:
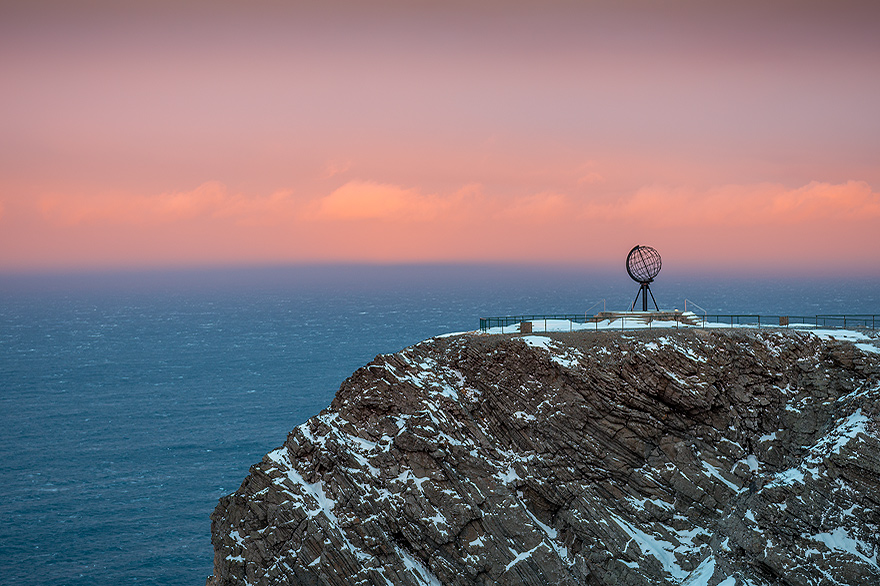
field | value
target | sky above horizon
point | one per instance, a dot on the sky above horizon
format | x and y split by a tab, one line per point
742	137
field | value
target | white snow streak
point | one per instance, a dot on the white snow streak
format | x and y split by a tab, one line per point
714	472
659	549
701	575
417	568
559	353
840	540
518	557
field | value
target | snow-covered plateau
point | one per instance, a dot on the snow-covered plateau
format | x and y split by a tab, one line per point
670	455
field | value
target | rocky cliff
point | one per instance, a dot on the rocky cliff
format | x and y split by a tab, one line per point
686	457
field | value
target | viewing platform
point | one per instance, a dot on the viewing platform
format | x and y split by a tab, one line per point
625	320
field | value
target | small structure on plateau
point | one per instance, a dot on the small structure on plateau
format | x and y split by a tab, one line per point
643	264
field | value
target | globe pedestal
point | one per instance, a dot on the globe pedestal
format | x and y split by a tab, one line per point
644	291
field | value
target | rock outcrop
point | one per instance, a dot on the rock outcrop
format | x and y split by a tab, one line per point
685	457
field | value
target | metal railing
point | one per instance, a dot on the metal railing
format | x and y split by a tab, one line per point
500	322
861	321
868	321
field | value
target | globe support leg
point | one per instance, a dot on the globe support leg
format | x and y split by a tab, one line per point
636	300
652	299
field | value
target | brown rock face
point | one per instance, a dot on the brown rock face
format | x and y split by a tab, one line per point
686	457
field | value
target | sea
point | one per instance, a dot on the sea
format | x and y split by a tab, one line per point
131	401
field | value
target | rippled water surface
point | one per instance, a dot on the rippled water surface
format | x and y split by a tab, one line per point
131	402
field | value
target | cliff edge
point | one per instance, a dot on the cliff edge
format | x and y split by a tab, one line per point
674	457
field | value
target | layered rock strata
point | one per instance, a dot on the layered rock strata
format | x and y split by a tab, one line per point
672	457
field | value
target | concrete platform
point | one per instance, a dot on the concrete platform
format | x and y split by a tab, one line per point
686	317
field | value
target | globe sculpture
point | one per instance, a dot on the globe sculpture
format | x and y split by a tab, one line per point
643	264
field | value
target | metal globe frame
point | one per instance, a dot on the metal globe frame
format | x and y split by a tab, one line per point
643	263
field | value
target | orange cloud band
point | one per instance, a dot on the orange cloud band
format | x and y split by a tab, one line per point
730	205
371	221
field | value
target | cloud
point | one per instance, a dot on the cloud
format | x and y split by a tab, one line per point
742	205
334	168
366	200
370	201
752	225
851	200
589	178
209	200
535	208
587	175
734	206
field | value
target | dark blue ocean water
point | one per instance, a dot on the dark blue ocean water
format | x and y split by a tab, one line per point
130	402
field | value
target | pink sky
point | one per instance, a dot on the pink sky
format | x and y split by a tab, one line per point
169	134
